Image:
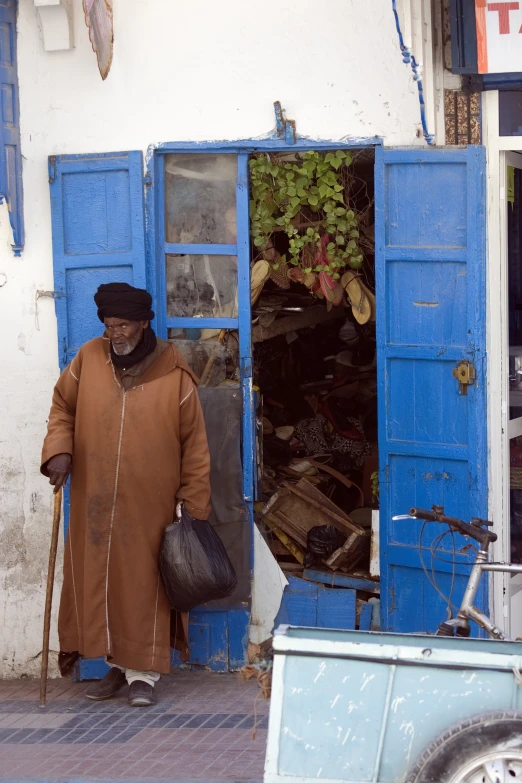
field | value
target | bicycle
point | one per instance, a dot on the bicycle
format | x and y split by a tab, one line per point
477	529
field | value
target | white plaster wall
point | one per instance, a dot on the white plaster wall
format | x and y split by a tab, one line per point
185	70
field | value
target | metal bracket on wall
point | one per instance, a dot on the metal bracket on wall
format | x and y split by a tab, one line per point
39	294
285	128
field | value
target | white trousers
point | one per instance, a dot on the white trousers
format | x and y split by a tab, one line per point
132	674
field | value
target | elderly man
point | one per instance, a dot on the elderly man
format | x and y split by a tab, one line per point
127	425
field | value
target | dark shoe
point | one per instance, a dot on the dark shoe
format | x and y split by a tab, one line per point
113	681
141	694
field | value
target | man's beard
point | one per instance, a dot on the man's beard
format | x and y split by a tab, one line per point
127	347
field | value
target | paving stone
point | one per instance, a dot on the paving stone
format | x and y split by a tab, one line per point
199	729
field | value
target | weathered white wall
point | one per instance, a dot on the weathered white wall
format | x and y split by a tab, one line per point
186	70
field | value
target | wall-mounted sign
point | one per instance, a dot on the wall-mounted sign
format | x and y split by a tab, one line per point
98	17
499	36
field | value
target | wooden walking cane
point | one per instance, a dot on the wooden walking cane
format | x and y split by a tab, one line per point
49	595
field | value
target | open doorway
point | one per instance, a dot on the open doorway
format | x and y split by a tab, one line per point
314	366
513	247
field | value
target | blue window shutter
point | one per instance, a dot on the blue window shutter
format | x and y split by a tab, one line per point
463	36
10	153
98	225
431	306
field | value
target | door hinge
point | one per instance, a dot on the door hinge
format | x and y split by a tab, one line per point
52	168
465	374
50	294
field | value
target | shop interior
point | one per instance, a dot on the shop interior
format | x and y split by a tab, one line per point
314	351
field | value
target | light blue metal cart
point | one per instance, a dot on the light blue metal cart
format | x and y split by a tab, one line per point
366	707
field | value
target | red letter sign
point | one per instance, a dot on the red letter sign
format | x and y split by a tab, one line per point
503	14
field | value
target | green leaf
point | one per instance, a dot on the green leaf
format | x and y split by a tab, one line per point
295	201
340	211
313	200
330	246
310	232
336	276
308	270
258	241
340	239
292	192
275	266
336	163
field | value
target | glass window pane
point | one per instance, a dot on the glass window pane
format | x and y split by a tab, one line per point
200	199
510	112
201	286
217	360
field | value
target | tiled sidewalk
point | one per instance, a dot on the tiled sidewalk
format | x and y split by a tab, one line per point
200	729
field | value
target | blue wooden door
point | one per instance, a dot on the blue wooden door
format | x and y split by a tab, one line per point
430	269
200	253
98	224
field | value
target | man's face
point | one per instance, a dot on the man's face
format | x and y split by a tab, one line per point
124	335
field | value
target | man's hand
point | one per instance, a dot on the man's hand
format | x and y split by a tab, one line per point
59	468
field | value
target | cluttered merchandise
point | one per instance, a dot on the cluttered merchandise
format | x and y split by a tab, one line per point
314	371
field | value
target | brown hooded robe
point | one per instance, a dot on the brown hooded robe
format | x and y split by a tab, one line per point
136	453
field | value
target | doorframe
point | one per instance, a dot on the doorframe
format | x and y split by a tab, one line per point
154	254
497	342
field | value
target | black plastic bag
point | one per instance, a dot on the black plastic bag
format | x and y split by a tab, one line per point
194	564
321	542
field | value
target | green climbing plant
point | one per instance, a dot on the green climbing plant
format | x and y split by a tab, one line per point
306	199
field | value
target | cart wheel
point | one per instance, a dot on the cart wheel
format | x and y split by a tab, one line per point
484	749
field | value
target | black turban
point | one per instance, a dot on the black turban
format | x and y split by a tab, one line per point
121	300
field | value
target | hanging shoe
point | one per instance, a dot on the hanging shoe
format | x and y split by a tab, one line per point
361	307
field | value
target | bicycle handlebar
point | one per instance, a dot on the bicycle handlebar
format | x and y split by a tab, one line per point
476	531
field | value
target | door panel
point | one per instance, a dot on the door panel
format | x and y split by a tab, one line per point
98	223
430	271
